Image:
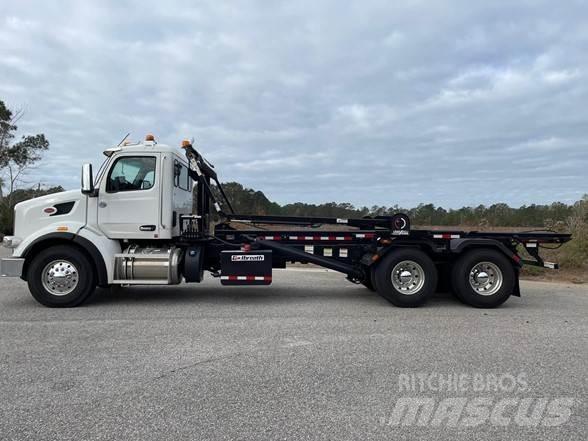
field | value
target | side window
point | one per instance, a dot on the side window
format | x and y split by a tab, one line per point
181	177
131	173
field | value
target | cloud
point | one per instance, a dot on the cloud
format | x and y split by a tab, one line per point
379	103
296	161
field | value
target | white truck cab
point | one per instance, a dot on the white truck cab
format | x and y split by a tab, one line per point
129	200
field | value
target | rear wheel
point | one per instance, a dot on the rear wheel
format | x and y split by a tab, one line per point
483	278
406	277
61	276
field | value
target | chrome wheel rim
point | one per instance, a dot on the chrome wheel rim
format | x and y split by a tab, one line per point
485	278
60	277
408	277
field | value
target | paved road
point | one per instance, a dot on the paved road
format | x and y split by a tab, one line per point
312	357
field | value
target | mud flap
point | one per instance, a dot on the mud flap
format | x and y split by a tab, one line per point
516	290
193	264
246	267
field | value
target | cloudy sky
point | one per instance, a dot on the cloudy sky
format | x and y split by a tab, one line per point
371	102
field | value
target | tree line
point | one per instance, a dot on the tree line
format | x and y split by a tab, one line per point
572	218
554	215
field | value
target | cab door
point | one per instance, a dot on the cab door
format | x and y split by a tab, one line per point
129	197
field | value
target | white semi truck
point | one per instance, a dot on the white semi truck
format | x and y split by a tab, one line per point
147	218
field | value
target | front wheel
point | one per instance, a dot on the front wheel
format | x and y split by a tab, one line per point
406	277
483	278
61	276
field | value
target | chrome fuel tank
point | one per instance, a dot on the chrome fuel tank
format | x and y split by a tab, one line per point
146	265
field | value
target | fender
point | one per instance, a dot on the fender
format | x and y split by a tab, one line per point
83	243
425	245
459	245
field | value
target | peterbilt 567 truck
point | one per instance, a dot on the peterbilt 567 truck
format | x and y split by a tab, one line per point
158	215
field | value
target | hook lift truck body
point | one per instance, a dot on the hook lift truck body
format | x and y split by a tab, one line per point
147	219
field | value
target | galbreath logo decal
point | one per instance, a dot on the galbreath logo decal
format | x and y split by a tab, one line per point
247	258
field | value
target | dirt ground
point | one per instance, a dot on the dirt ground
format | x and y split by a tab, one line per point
571	275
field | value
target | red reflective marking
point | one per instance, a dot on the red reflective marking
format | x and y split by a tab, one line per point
329	238
270	237
249	278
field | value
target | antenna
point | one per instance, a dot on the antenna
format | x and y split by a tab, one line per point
124	139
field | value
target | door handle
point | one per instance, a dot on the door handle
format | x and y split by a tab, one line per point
102	204
147	228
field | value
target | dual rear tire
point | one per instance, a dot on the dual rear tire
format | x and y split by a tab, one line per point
483	278
406	277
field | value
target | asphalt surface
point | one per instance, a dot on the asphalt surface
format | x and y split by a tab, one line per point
311	357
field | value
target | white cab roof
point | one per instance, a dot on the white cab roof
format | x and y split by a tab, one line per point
145	146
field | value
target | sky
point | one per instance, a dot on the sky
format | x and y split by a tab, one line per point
369	102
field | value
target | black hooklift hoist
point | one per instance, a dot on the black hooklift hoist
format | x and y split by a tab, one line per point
384	253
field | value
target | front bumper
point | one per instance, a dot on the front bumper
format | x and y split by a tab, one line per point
11	266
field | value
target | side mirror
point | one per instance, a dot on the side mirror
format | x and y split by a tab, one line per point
87	179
